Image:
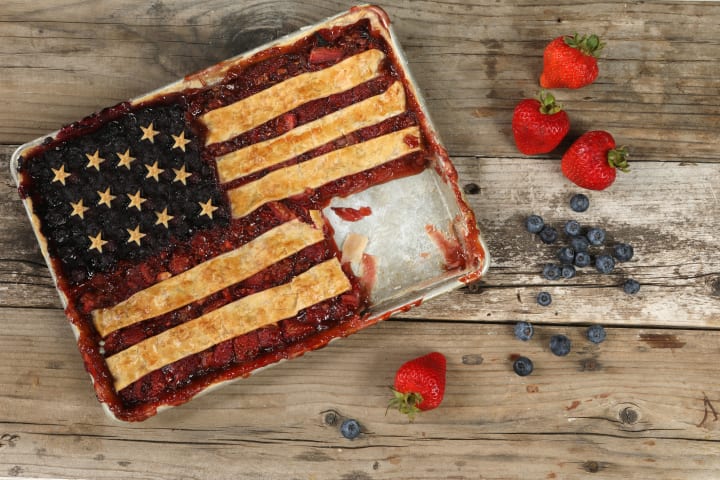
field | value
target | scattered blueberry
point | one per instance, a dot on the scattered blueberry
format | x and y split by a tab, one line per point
350	429
596	236
579	202
560	345
604	264
523	366
544	299
579	244
582	259
551	271
524	331
596	333
572	228
548	234
567	271
566	255
534	224
623	252
631	287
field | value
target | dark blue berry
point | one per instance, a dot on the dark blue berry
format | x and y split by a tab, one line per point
579	202
572	228
566	255
579	244
582	259
596	236
560	345
567	271
534	224
548	234
631	287
544	299
604	263
596	333
623	252
524	331
523	366
350	429
551	271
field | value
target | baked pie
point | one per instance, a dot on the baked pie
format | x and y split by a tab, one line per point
186	230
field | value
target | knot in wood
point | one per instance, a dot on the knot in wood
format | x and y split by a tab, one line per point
591	466
629	416
331	418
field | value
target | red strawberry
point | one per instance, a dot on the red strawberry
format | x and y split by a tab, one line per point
420	384
539	125
570	62
591	162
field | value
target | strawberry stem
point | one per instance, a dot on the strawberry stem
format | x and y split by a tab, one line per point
587	44
618	158
406	403
547	103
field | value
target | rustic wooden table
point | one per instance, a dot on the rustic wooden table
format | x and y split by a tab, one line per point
643	404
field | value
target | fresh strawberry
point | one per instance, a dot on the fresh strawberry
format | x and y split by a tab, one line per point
539	125
592	160
420	384
570	61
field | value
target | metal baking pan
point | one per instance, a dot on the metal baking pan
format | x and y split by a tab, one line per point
414	220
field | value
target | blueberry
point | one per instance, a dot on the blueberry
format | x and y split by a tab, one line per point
551	271
596	236
350	429
582	259
579	202
567	271
560	345
572	228
604	263
523	366
524	331
596	334
623	252
544	299
566	255
548	234
631	287
579	244
534	223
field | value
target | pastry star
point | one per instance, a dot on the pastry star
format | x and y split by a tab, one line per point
79	209
125	159
94	160
149	133
96	242
180	141
207	208
135	235
135	200
181	175
163	218
60	174
105	197
154	171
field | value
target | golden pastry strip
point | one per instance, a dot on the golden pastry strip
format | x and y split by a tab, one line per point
208	277
296	179
321	282
312	135
227	122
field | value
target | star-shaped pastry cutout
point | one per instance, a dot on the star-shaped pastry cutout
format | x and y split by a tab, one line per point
79	209
207	208
97	242
105	197
163	218
135	235
125	159
135	200
181	175
149	133
60	174
180	141
154	171
94	160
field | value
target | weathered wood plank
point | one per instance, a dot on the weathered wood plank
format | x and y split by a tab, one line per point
626	408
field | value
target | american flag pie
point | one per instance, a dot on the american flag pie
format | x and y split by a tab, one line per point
185	230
